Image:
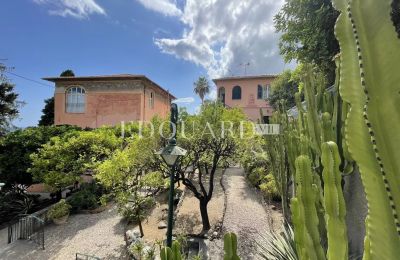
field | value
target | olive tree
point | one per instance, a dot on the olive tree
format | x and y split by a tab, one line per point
212	139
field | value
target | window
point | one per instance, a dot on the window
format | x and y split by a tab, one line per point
75	102
236	92
151	100
263	92
259	92
221	94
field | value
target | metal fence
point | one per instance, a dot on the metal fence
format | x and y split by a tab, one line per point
28	228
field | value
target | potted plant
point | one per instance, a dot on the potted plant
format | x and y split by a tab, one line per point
59	212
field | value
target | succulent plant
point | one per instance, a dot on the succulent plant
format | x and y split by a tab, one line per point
369	78
230	247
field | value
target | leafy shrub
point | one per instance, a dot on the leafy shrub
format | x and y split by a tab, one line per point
256	176
105	198
83	199
89	197
251	159
130	212
60	209
63	159
269	189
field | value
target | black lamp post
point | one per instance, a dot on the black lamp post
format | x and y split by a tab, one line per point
171	154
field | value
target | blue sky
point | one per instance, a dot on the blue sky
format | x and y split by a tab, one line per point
172	42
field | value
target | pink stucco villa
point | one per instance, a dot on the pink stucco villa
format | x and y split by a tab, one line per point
95	101
250	93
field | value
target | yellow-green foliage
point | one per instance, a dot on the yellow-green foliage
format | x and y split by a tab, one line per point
256	176
268	188
59	210
63	159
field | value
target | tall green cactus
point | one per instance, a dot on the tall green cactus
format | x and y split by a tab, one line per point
304	213
369	80
230	247
173	253
305	208
335	208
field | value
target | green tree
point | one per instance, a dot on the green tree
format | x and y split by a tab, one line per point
307	29
48	113
284	88
201	88
209	146
8	101
130	176
16	148
67	73
62	160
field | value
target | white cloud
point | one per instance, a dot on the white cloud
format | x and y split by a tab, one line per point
219	35
187	100
79	9
166	7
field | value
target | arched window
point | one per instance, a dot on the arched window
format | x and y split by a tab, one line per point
75	100
236	92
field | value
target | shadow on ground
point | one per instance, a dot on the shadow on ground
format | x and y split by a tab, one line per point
100	234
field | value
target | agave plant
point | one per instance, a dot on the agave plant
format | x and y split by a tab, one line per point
278	246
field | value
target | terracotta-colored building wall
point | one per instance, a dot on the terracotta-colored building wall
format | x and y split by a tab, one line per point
249	102
161	103
110	103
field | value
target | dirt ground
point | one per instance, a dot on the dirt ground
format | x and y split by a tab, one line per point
150	225
189	219
100	235
246	215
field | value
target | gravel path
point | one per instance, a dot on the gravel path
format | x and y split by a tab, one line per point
100	234
245	215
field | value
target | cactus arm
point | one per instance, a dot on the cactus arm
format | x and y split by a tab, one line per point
166	254
334	204
176	251
230	247
312	113
367	245
305	217
381	113
327	131
380	79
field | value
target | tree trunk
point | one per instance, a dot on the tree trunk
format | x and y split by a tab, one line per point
140	227
204	215
58	195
